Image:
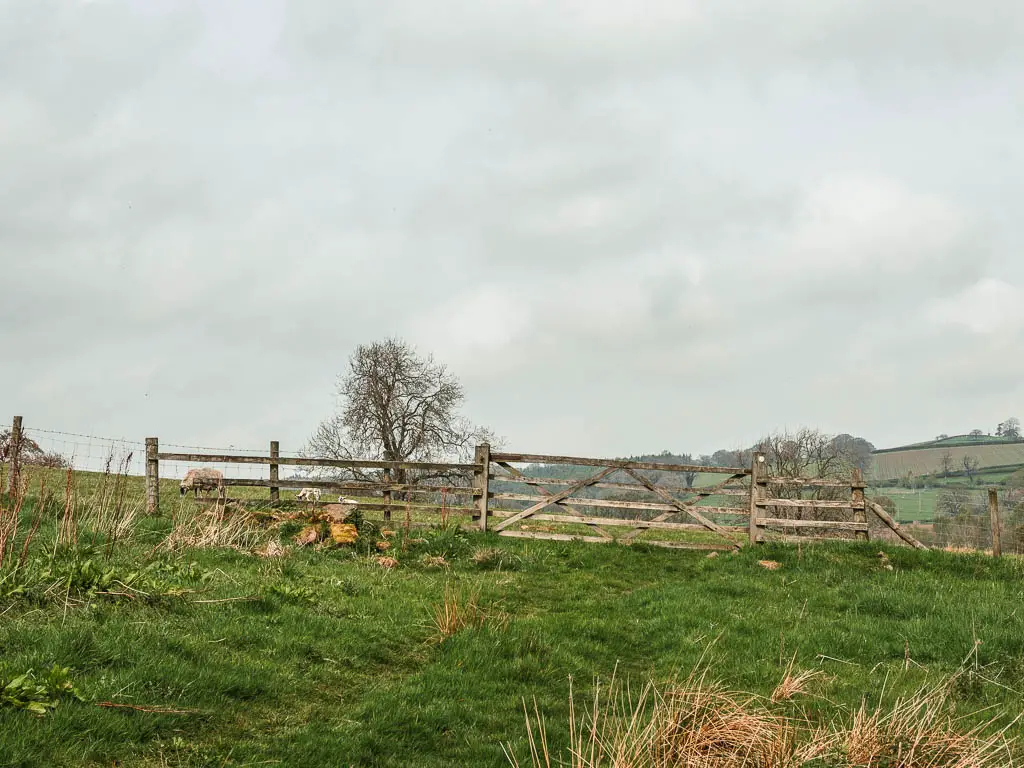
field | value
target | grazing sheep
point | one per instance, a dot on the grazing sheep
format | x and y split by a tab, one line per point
202	480
308	494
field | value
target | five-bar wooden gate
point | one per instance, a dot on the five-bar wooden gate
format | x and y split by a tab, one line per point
633	499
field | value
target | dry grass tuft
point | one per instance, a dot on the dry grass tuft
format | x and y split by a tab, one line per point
921	732
10	516
699	724
386	562
798	684
486	555
273	548
459	611
769	565
228	526
695	723
435	561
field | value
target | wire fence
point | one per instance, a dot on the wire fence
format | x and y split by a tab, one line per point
56	449
961	518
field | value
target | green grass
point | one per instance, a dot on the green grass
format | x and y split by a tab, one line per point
334	661
919	461
911	504
954	441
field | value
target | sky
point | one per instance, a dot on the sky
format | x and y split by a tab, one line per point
625	227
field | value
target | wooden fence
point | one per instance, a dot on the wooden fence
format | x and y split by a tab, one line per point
656	503
589	499
390	492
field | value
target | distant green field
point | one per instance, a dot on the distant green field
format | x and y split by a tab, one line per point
955	441
926	461
911	505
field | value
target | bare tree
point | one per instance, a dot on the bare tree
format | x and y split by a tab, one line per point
689	477
807	453
396	405
30	452
946	463
977	433
810	453
971	464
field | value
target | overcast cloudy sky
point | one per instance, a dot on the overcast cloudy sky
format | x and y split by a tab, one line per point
625	226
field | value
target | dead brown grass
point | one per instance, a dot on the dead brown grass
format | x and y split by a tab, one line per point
457	611
700	724
460	610
795	684
222	525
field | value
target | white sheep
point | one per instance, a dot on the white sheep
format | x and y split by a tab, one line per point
308	494
202	480
343	500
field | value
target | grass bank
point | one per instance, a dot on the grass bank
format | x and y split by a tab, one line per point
217	656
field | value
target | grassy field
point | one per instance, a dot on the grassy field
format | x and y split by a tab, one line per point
217	656
911	504
924	461
953	441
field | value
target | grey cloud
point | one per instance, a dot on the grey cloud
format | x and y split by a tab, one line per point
583	41
597	217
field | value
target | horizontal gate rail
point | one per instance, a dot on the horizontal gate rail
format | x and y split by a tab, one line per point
331	485
291	461
733	490
613	504
534	458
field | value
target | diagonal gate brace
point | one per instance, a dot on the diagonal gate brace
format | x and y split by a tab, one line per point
681	506
515	473
554	499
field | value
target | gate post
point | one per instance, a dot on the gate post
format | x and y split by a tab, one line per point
756	465
15	451
481	481
152	476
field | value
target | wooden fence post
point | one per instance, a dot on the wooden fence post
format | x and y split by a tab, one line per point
152	476
387	496
756	465
15	450
860	515
481	481
275	452
993	513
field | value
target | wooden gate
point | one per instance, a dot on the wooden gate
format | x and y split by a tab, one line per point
668	505
604	501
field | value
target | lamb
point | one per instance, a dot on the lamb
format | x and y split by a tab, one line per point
202	480
343	500
308	494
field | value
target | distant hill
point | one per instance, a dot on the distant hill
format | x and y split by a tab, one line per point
927	458
955	441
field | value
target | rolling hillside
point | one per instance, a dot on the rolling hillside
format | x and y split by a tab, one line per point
926	458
